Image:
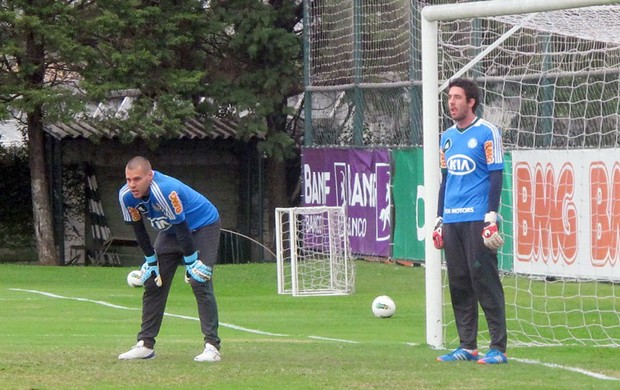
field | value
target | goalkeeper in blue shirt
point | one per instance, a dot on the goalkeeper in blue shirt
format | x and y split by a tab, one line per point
188	227
471	158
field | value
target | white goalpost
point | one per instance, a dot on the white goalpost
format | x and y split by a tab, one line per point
313	252
549	72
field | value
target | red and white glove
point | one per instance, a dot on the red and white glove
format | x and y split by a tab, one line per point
490	233
438	233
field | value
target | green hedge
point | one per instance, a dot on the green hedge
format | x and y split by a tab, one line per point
16	226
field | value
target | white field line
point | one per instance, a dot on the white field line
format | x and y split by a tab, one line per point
240	328
330	339
103	303
572	369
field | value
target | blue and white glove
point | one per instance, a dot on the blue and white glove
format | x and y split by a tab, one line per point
196	269
150	269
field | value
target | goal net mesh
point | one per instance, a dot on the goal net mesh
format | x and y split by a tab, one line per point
551	82
359	67
313	253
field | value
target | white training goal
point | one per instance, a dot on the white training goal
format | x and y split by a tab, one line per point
313	253
549	73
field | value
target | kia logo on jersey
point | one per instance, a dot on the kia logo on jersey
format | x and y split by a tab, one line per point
460	164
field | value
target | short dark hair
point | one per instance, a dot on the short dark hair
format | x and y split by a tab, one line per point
470	88
139	162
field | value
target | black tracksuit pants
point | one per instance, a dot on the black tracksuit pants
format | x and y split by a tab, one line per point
474	279
169	255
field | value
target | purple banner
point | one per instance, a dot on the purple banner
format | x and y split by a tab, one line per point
359	178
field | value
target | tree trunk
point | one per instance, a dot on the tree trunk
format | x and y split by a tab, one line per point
41	203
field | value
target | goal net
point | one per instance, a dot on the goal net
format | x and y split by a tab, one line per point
359	67
550	79
313	255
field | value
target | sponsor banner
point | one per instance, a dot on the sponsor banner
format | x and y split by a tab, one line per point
408	197
567	213
359	178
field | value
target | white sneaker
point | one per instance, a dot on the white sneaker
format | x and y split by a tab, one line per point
210	354
138	351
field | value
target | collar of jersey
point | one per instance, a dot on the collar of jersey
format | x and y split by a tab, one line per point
468	126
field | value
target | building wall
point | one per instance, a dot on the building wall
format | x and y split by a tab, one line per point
219	169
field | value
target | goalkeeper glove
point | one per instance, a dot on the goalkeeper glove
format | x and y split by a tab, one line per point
438	233
196	269
490	233
150	268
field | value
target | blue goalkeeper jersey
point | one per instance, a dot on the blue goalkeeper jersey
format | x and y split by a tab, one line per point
169	202
469	155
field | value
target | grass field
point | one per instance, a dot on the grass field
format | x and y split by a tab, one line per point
63	328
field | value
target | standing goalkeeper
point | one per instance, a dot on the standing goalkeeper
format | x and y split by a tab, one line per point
466	227
188	226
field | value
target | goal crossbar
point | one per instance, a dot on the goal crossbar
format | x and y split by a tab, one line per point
481	9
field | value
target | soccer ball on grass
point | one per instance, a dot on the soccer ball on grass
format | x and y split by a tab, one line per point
133	278
383	306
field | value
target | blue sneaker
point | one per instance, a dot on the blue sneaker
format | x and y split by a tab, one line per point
459	354
494	356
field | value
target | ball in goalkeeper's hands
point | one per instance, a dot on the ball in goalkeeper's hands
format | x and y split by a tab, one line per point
134	278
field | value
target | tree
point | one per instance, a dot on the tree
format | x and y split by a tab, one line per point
186	58
255	68
34	52
55	56
239	59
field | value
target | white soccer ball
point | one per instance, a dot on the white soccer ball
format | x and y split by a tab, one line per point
383	307
133	278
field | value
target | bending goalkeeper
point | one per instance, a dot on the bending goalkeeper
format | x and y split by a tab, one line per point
188	227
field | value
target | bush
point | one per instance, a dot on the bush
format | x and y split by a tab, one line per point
16	226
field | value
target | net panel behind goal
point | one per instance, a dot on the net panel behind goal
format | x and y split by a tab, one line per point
551	82
313	253
359	73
